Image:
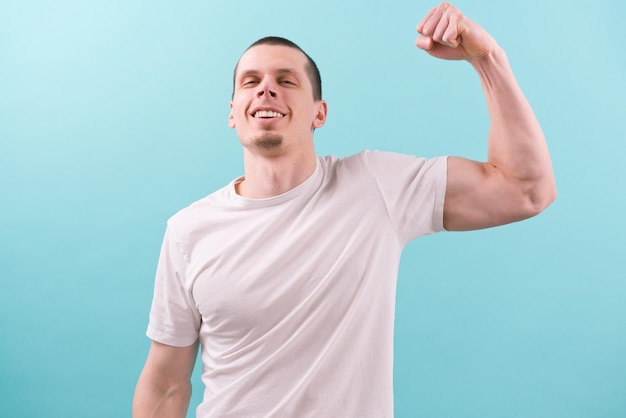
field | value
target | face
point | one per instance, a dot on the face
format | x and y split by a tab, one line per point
273	109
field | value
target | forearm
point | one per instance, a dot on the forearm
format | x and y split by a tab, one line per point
516	144
154	400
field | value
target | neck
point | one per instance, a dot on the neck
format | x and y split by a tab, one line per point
268	177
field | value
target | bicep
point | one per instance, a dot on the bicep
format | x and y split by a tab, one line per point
170	365
480	195
164	386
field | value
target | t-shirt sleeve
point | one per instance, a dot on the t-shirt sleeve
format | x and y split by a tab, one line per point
174	318
413	189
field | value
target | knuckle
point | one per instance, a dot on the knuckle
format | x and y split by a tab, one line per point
449	40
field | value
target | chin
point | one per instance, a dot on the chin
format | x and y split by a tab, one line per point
268	141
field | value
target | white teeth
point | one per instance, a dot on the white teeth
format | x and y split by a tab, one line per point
268	114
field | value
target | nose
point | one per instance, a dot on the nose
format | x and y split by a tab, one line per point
266	88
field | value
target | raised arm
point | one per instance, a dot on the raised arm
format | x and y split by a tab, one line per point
517	181
164	386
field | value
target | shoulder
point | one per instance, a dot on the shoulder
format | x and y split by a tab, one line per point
360	159
199	213
383	162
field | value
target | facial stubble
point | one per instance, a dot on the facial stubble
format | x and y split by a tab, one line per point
268	141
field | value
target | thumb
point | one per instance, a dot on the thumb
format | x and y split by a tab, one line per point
425	42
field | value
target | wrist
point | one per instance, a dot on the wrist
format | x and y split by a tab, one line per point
492	58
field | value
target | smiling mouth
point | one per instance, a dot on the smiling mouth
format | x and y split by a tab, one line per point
267	114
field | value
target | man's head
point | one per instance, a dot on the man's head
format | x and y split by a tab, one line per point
311	68
275	106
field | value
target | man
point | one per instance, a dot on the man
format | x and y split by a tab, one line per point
287	276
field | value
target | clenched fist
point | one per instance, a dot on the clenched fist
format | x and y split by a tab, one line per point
447	34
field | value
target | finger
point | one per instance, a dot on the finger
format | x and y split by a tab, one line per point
442	27
452	35
425	43
422	24
431	20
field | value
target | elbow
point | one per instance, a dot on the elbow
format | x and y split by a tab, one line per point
540	198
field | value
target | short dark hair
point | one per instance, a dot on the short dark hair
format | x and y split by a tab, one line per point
311	68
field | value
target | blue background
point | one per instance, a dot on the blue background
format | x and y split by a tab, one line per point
113	116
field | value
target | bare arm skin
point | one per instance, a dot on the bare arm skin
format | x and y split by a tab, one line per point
517	181
164	386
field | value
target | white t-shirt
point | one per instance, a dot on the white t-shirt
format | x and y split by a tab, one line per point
293	296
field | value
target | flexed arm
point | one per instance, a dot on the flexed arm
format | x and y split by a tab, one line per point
517	181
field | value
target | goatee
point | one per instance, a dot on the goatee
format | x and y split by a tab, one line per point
268	141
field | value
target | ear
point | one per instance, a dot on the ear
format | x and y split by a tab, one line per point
320	114
231	119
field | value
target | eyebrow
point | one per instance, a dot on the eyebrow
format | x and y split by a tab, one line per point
280	71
